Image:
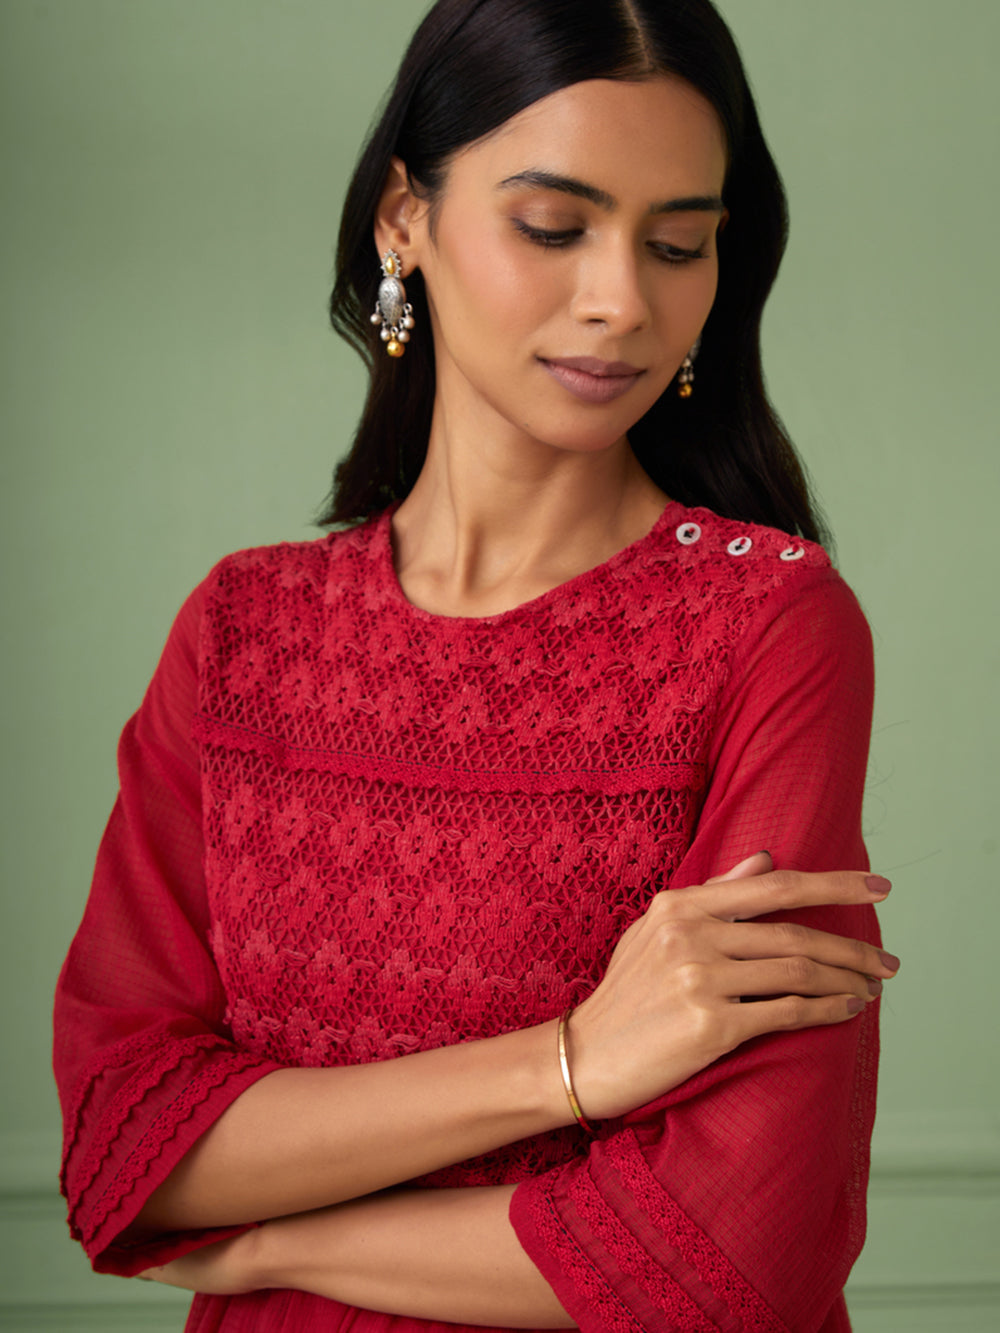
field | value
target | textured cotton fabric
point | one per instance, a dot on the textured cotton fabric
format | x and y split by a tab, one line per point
350	829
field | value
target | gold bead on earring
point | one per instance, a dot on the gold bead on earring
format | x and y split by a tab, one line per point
685	377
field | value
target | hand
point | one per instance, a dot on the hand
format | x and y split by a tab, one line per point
669	1003
227	1268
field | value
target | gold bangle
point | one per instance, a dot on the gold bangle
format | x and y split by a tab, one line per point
567	1078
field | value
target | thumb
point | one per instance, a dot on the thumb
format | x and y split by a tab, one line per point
758	864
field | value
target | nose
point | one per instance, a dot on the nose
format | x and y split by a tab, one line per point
610	289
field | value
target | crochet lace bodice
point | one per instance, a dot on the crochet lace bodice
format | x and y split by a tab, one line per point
350	829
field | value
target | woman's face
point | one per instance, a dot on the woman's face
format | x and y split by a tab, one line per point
572	261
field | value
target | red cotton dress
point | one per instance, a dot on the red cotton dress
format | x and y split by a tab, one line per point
349	829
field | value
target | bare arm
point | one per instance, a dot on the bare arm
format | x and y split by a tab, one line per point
301	1139
433	1254
304	1138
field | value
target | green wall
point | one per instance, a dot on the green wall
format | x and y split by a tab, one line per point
172	174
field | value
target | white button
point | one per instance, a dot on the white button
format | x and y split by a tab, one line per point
688	534
793	553
739	546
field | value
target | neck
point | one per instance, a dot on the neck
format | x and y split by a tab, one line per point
486	529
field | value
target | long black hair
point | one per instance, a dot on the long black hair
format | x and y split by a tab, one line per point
471	66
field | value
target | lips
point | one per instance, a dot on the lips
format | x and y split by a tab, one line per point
591	380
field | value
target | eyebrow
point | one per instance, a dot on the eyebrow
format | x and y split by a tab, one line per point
550	180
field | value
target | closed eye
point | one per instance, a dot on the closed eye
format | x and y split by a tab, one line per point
556	239
540	236
674	254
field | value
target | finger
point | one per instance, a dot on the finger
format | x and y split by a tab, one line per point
788	1013
788	939
788	891
758	864
798	976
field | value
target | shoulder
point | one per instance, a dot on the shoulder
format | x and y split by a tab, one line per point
267	605
737	569
289	564
699	539
288	573
739	582
238	589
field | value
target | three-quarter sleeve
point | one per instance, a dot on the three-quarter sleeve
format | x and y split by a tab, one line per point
143	1059
737	1201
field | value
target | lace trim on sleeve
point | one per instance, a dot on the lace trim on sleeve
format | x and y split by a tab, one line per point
598	1294
711	1265
87	1222
631	1257
162	1055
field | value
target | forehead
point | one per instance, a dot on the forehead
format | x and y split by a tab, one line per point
633	138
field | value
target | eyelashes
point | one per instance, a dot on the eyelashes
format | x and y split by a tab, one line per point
673	254
551	239
560	239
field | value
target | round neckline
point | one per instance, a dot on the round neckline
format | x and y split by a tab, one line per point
382	555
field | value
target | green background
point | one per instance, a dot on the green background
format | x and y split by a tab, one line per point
172	176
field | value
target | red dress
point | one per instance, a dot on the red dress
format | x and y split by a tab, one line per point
349	829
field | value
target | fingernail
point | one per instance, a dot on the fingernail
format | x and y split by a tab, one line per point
891	961
878	884
874	986
854	1005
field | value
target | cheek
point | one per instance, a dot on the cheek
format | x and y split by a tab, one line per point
494	287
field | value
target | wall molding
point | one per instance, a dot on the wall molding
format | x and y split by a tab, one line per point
930	1264
908	1146
134	1317
924	1145
941	1295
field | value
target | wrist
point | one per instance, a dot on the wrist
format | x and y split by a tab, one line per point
567	1073
540	1089
270	1257
301	1252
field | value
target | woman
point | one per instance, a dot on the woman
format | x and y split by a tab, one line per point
380	946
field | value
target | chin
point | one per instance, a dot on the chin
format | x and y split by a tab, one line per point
589	440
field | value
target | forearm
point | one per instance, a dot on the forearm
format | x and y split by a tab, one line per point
301	1139
434	1254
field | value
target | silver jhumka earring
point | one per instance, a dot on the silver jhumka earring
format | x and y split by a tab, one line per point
392	310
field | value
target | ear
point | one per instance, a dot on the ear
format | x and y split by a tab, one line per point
397	218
